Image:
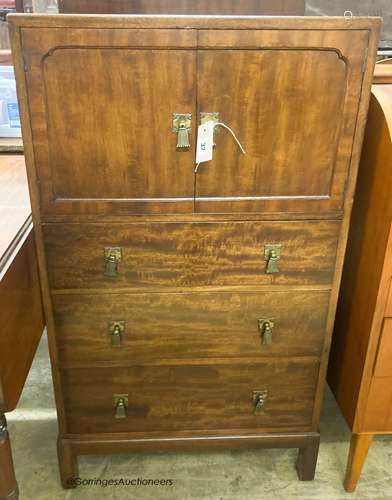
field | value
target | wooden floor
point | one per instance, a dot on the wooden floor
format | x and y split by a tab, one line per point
241	475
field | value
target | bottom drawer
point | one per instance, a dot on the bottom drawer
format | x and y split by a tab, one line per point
192	397
378	414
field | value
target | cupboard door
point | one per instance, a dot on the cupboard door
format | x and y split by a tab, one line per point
101	108
292	100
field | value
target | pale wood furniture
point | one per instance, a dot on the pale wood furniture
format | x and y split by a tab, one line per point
191	309
360	372
20	302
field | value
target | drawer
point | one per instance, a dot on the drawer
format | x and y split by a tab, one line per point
378	413
383	366
192	397
154	326
190	254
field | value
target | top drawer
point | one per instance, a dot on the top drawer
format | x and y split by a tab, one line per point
190	254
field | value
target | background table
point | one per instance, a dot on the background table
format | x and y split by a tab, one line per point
21	315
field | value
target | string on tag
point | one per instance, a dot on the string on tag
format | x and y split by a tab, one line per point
221	124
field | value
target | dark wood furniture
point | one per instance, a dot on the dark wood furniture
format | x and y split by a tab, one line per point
190	7
191	309
20	302
360	372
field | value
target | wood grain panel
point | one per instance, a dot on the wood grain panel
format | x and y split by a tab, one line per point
74	181
383	366
171	254
359	305
279	152
187	7
377	416
188	325
22	321
263	170
191	397
134	154
324	24
131	163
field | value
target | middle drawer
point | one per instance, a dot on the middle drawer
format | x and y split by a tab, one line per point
190	254
154	326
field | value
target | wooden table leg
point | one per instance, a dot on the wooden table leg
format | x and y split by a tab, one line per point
68	463
307	459
359	448
8	484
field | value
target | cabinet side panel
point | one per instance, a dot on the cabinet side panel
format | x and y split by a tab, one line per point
368	239
369	63
17	53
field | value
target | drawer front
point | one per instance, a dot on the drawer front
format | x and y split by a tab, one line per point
190	254
133	328
383	367
198	397
378	413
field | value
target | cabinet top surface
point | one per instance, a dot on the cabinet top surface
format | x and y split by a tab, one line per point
193	22
14	201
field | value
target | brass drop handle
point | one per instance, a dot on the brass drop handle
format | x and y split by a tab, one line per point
116	332
121	409
183	136
116	336
266	327
120	405
259	400
182	127
112	258
272	256
259	406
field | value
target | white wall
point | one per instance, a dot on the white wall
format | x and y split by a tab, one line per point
381	8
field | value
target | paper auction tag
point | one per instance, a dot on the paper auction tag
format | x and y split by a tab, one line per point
205	142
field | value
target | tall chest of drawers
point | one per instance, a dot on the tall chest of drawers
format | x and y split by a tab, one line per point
191	309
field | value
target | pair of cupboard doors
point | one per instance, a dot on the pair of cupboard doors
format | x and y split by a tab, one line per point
290	95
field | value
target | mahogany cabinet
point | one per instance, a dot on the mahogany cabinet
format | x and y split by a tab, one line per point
191	309
360	372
